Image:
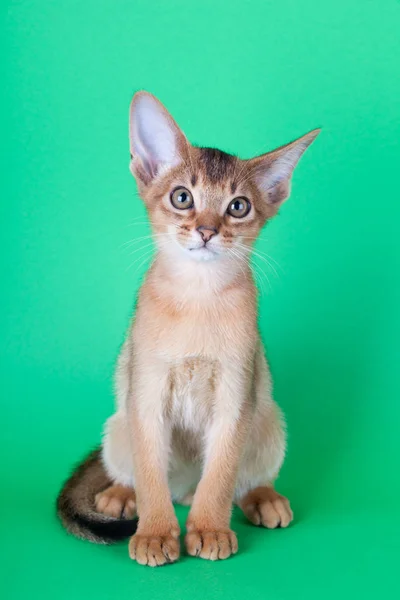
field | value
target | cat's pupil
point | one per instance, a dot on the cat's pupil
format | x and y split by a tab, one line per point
182	197
237	205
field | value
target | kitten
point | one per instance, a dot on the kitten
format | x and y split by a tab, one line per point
195	421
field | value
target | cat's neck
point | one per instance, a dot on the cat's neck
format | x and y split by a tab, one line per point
188	280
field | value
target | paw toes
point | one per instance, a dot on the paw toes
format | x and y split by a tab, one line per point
129	509
141	550
170	549
194	543
211	545
233	542
227	544
117	502
264	506
155	554
153	551
252	513
101	501
282	507
109	506
269	516
224	546
115	508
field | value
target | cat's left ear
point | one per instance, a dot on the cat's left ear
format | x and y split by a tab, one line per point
156	142
273	171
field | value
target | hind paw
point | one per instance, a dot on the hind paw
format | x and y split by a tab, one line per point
264	506
117	501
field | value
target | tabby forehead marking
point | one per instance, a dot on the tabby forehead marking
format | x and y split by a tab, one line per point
218	165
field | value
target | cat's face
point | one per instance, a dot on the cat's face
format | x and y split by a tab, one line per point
204	204
208	208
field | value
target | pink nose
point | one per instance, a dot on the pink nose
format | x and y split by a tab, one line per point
206	232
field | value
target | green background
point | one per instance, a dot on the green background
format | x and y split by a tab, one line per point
244	76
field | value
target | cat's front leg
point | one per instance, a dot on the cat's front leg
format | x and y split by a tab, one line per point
208	527
156	541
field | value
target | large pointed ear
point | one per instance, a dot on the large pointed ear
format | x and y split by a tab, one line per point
273	171
156	142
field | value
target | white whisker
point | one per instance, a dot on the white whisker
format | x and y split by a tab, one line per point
148	253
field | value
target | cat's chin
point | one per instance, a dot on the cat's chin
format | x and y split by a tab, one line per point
202	254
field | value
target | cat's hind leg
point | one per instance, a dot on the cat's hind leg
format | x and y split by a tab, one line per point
262	459
119	499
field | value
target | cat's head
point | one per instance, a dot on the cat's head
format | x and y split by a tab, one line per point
204	204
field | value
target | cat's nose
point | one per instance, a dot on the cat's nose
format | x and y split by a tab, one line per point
207	232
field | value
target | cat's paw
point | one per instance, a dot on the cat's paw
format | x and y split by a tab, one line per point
264	506
154	551
211	545
117	501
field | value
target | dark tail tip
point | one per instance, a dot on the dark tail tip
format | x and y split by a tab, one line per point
76	510
108	532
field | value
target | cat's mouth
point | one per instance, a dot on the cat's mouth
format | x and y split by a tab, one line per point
203	252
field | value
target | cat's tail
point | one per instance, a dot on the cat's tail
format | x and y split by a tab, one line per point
76	508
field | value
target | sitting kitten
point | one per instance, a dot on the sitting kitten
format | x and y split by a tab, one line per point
195	421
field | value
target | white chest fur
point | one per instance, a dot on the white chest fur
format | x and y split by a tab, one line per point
193	383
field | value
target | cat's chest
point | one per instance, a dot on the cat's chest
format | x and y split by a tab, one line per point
217	327
215	334
193	383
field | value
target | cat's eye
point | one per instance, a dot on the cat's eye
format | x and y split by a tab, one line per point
239	208
181	198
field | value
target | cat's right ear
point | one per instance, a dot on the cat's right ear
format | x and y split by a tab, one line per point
156	142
